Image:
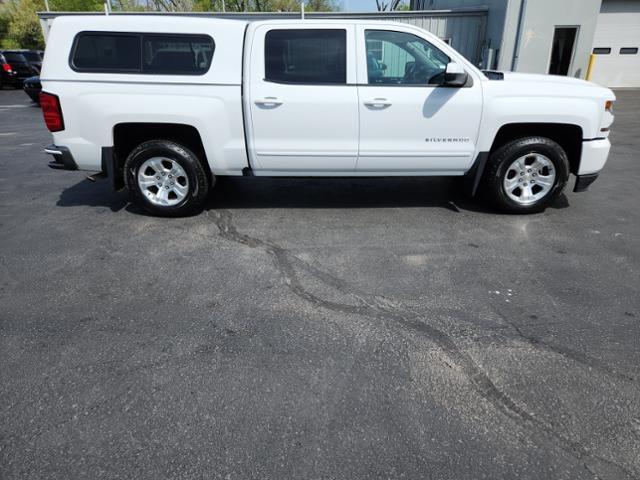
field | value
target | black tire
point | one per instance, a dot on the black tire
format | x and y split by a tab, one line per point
500	161
198	178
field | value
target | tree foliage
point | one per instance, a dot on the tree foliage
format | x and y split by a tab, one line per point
19	24
389	5
253	5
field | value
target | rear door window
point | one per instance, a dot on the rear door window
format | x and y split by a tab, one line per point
306	56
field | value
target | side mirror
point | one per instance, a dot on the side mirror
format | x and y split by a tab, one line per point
455	76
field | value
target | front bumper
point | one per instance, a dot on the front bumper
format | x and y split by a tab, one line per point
62	158
594	155
583	182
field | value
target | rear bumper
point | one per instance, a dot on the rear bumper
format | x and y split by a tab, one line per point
11	79
32	89
33	94
594	156
62	158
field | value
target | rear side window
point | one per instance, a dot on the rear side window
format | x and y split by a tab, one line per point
142	53
177	54
107	53
306	56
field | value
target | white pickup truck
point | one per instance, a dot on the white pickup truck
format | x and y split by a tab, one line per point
164	105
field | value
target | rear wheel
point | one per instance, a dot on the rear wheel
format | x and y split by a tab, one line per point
526	175
166	178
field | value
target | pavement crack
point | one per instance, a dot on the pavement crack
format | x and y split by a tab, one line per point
373	306
563	351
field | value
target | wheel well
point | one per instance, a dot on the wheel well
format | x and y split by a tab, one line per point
127	136
568	136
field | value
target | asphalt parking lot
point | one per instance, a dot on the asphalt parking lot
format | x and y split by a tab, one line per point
316	328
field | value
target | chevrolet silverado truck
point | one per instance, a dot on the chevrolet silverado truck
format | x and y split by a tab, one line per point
164	105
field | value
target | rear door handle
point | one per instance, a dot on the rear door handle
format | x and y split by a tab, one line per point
268	101
378	103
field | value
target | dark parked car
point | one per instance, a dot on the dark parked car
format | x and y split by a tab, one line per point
34	58
15	69
7	74
32	88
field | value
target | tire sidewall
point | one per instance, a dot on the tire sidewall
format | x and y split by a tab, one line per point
184	157
520	148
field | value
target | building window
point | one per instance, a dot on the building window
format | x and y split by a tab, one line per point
306	56
601	51
629	51
142	53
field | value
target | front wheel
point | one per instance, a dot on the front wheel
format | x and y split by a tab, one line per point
166	178
526	175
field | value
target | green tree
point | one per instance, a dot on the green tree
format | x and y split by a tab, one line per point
19	24
4	24
22	25
244	5
388	5
320	6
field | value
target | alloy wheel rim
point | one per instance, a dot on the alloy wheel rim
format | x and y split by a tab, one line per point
529	178
163	181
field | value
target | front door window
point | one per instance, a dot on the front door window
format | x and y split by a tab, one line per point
399	58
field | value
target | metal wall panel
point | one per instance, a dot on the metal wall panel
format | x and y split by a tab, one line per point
465	33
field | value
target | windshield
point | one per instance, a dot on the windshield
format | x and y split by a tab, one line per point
14	57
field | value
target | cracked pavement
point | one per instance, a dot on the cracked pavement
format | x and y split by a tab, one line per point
316	328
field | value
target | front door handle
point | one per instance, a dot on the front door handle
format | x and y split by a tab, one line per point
378	103
268	101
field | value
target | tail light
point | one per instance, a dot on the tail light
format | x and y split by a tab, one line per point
7	67
50	105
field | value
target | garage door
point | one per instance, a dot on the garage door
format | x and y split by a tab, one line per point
616	44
